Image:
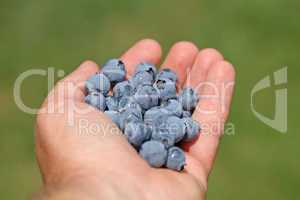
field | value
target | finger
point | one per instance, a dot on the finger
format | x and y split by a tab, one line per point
180	59
83	72
204	60
212	112
72	86
146	50
74	83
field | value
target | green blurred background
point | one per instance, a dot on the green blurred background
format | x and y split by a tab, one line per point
258	37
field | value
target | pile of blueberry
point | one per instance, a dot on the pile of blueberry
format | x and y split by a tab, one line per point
147	108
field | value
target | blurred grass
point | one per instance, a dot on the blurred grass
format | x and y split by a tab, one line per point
258	37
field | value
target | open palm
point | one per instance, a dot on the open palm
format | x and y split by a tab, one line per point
100	162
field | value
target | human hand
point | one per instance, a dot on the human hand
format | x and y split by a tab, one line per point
103	165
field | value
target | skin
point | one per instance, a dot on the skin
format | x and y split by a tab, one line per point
103	165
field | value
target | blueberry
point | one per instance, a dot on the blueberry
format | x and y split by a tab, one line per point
164	136
96	99
112	103
140	78
175	159
192	129
123	88
127	102
147	67
176	127
154	153
166	88
154	116
173	107
148	130
130	115
115	70
149	115
188	98
186	114
147	97
136	133
98	82
114	116
167	74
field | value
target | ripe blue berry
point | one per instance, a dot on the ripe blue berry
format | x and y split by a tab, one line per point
175	159
167	74
98	82
96	99
154	153
112	103
173	107
136	133
123	88
148	130
176	127
127	102
154	116
192	129
114	116
147	97
164	136
147	67
140	78
188	98
115	70
166	88
130	115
